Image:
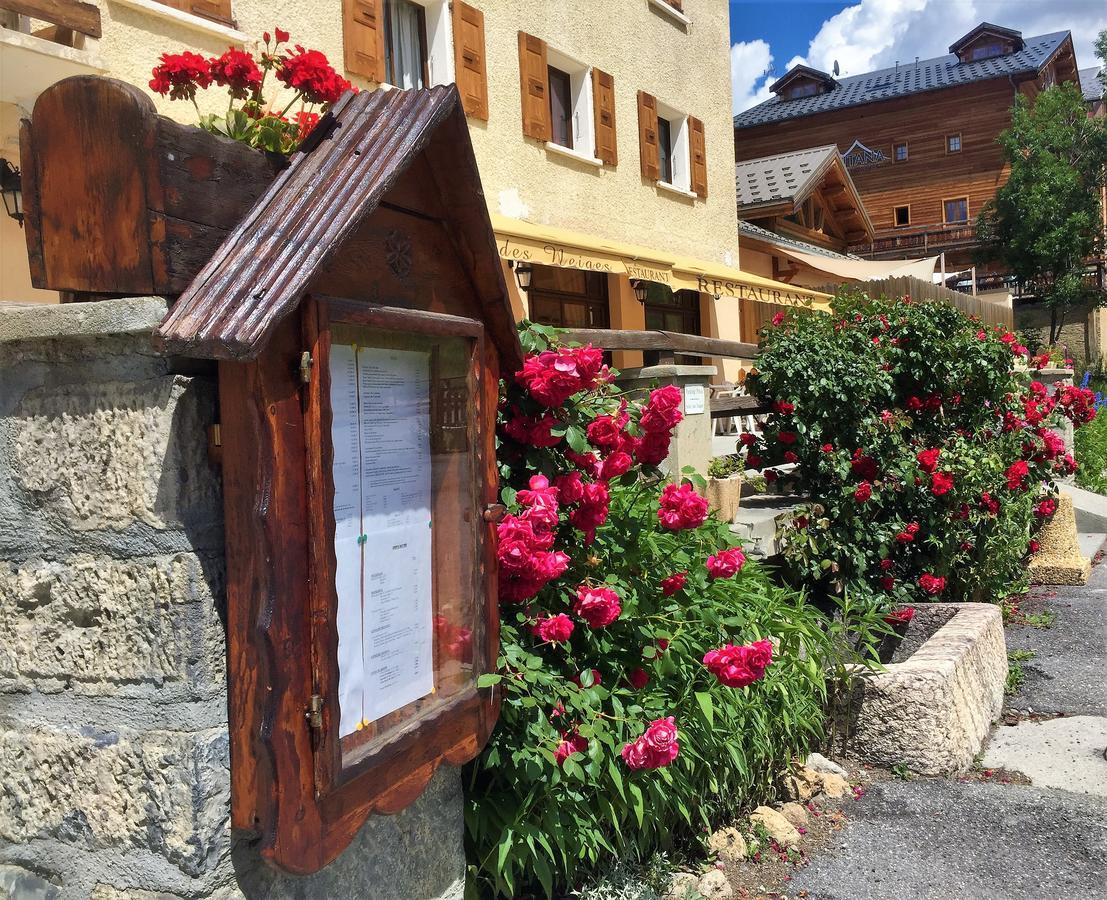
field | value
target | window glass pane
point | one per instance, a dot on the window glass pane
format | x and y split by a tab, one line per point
404	476
901	152
953	142
903	215
403	43
957	210
665	149
569	298
561	107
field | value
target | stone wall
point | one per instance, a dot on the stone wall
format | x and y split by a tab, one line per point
114	769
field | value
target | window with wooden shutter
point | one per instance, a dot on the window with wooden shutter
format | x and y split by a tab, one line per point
603	99
216	10
699	157
534	86
363	38
647	136
469	59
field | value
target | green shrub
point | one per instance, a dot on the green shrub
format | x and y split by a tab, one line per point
1091	444
556	796
725	466
924	454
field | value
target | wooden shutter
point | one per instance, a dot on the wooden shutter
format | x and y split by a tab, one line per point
216	10
534	85
363	38
469	59
603	101
647	136
698	152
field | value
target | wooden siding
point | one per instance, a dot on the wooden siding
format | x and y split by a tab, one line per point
979	112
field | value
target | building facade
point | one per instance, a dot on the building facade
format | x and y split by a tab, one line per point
918	139
603	141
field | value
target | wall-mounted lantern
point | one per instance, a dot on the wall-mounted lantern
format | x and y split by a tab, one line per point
524	272
641	289
11	184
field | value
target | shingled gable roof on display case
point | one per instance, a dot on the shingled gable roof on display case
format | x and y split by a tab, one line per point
261	271
907	78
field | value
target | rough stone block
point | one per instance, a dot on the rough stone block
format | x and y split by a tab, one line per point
1059	559
165	792
104	455
933	711
98	625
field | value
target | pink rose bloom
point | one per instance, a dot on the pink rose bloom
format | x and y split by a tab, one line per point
673	583
656	748
618	463
553	629
653	447
571	742
941	483
1017	473
726	563
740	666
598	606
932	584
681	507
603	432
928	459
570	488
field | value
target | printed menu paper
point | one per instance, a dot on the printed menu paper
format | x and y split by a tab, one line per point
380	401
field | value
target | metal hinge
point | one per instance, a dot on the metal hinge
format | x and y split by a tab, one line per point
314	712
305	367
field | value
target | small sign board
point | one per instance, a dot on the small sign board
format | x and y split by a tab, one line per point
694	397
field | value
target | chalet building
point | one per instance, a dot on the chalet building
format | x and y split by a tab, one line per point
918	139
609	182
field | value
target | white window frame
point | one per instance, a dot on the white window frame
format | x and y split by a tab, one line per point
440	42
196	23
583	119
681	150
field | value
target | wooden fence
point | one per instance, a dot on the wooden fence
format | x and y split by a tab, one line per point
990	312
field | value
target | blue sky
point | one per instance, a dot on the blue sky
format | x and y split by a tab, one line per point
769	36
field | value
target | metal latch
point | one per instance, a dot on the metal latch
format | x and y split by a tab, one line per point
314	712
305	367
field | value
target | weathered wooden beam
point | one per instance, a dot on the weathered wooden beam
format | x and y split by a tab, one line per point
72	14
722	407
662	340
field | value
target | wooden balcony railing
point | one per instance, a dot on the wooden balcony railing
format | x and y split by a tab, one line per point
924	241
66	18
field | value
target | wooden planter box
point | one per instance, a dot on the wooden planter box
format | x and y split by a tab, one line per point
724	495
120	200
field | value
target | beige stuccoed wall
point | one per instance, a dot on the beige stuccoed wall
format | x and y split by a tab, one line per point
685	67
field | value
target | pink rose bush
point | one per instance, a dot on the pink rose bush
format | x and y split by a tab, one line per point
928	456
618	592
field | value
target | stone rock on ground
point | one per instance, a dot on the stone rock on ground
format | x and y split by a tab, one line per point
795	814
680	885
801	785
715	886
978	841
728	843
834	786
780	829
1064	753
819	763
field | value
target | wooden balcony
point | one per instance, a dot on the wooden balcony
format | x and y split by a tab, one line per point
926	241
44	41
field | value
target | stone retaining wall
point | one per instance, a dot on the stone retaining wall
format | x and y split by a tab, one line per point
114	769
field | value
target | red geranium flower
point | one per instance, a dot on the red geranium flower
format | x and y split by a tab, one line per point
236	70
180	74
311	74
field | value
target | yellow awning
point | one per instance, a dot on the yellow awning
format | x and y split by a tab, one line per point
520	241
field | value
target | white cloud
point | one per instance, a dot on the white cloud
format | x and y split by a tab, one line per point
750	73
873	34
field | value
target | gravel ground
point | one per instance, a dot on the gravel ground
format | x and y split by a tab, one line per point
971	841
1069	673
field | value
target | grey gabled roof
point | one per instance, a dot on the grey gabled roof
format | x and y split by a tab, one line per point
1090	83
784	176
909	78
771	237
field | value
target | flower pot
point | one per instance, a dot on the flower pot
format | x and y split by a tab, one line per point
724	494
